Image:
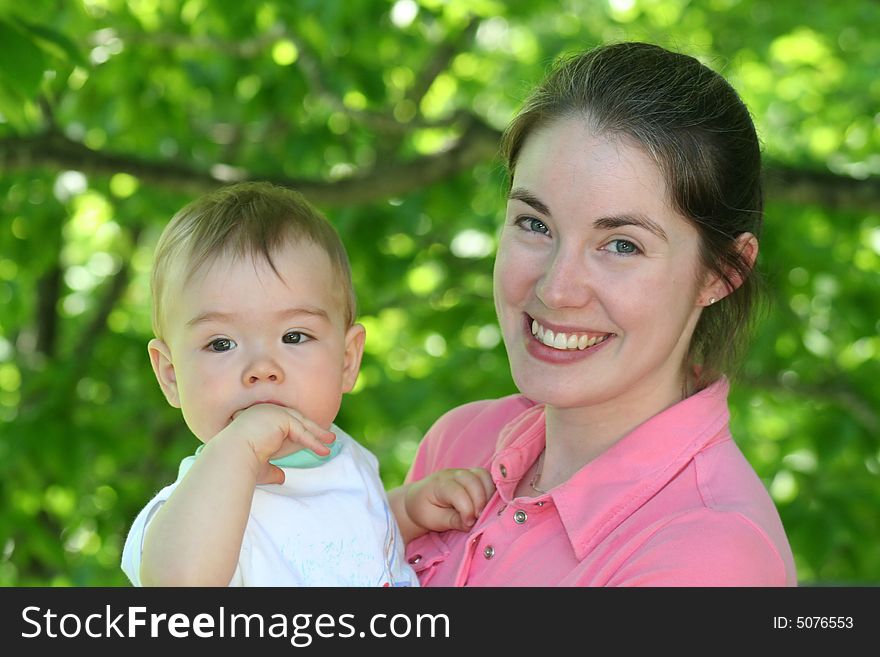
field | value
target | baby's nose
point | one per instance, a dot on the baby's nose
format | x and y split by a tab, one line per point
263	369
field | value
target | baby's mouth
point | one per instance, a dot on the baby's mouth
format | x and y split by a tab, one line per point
567	341
241	410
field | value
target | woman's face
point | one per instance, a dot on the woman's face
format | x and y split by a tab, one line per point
597	281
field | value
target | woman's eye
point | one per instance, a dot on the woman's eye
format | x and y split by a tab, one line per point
623	247
294	337
533	225
221	344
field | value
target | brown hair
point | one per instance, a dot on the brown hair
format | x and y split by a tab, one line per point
701	135
245	219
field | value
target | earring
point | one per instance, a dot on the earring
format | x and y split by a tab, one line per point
712	300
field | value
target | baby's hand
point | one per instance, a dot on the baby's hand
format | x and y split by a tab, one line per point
273	431
449	499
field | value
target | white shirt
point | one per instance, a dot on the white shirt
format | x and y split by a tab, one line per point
329	525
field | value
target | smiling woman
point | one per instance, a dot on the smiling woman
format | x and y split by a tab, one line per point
623	286
582	262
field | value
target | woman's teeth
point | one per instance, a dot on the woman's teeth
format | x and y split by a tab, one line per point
566	341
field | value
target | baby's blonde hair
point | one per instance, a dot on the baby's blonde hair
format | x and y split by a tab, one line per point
246	219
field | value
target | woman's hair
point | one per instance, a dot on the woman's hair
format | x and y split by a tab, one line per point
700	134
252	219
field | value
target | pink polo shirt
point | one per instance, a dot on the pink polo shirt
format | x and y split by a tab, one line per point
673	503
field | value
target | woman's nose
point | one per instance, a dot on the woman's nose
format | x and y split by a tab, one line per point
263	369
565	283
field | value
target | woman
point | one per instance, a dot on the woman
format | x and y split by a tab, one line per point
623	286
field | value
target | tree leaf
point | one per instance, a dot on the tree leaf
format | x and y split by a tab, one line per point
22	62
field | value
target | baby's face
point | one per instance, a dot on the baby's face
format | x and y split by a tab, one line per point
239	334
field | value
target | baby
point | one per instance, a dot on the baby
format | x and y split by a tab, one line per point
253	313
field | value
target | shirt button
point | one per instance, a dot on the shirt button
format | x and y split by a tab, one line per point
489	552
520	517
414	560
503	470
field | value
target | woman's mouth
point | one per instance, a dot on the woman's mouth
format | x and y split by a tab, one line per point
566	341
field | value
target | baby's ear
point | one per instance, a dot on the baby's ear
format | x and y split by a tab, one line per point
354	350
163	368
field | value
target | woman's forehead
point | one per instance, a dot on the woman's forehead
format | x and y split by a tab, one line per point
569	162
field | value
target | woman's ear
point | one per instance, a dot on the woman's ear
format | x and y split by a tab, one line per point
716	287
354	351
163	368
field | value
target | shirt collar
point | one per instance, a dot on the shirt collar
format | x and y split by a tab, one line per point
624	477
304	458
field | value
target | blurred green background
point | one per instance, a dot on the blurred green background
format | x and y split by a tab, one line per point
114	113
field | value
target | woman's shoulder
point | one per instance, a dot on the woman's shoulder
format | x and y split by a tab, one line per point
466	435
709	547
481	414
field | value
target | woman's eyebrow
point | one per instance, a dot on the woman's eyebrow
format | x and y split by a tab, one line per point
640	221
524	195
605	223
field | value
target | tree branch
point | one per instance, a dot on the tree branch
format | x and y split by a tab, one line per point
384	122
54	151
434	66
82	353
479	143
308	64
440	60
244	48
48	293
829	392
823	188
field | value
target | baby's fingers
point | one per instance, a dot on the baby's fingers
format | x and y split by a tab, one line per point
485	479
456	521
305	433
479	485
457	493
271	474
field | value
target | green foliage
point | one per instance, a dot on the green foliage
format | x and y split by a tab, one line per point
114	113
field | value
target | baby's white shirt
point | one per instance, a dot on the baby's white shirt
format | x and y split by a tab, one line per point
329	525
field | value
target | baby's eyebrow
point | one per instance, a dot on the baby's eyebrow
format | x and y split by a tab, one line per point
220	317
210	316
313	311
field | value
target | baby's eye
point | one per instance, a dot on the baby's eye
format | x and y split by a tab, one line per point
533	225
221	344
622	247
294	337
